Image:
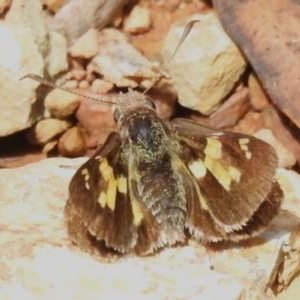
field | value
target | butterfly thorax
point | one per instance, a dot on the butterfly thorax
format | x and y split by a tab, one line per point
145	135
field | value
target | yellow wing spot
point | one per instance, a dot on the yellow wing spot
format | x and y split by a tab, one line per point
218	172
213	148
202	201
198	168
84	172
235	174
244	147
87	177
87	186
111	193
137	213
243	141
105	169
122	185
102	199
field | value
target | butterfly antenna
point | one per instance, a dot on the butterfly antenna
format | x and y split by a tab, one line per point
186	32
51	84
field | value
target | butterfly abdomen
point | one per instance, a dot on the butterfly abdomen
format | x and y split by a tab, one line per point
159	189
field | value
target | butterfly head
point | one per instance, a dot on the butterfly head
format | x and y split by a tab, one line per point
130	104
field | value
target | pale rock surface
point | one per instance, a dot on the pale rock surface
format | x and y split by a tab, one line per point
16	103
119	62
89	14
101	86
45	130
72	143
83	84
208	64
55	5
77	74
259	98
71	84
96	119
39	262
61	104
229	113
27	47
86	46
254	25
4	4
250	123
138	20
50	146
56	59
286	159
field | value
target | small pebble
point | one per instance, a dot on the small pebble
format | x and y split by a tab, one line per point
71	84
83	84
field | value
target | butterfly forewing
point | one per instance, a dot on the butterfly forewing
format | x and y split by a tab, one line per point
233	176
99	207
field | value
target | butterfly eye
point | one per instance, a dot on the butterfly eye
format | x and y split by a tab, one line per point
151	103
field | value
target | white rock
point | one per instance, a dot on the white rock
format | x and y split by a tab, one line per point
86	46
37	257
55	5
47	129
38	260
207	65
71	84
4	4
26	47
138	20
56	58
101	86
291	180
61	104
119	62
286	159
16	103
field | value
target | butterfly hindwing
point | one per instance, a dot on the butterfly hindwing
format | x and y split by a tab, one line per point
148	229
234	182
99	207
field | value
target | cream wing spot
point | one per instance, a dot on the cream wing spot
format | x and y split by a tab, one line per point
203	201
198	168
84	172
243	141
243	144
102	199
248	154
87	186
137	213
244	147
111	193
122	185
